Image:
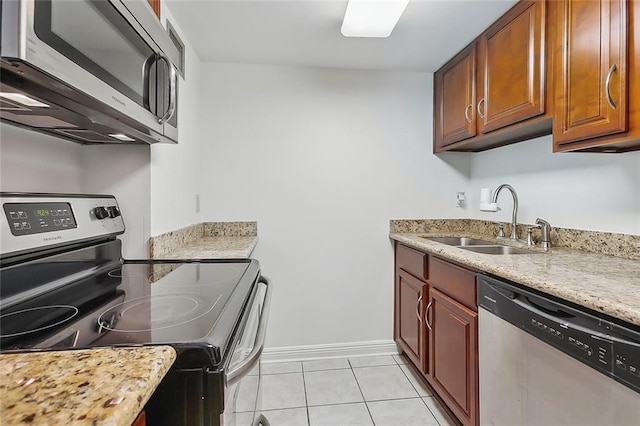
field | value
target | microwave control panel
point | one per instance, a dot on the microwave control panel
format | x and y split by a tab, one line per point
36	218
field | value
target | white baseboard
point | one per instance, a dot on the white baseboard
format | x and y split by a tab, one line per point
337	350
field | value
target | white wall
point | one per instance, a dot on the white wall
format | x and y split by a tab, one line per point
599	192
34	162
322	159
123	171
175	169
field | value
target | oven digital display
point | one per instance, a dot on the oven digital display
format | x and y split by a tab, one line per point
36	218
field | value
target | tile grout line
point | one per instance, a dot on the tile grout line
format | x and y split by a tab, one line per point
306	401
418	392
361	393
408	378
422	397
409	366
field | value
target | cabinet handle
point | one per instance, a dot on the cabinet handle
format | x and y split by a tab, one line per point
480	112
426	315
606	86
418	308
466	112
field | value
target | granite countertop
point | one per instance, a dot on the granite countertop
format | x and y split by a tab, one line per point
207	247
208	240
604	283
102	386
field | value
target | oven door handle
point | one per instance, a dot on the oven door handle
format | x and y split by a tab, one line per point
252	358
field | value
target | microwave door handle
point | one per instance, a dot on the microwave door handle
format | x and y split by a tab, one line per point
172	90
252	358
146	81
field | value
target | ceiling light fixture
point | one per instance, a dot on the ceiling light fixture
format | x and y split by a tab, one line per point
372	18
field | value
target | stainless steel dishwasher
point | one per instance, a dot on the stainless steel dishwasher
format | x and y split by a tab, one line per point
543	362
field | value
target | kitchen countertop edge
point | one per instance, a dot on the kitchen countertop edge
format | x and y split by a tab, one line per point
603	283
107	386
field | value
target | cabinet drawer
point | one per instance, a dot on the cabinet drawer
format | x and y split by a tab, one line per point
456	282
412	261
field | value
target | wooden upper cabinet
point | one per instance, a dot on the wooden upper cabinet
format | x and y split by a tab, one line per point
592	69
511	68
155	5
454	91
494	92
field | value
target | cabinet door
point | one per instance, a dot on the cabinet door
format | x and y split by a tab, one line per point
511	68
454	99
454	356
412	297
155	5
591	70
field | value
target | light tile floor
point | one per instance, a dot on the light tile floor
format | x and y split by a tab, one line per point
374	390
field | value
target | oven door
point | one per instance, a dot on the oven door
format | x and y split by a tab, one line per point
110	57
242	376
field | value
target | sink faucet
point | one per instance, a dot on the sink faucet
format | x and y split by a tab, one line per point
545	230
514	224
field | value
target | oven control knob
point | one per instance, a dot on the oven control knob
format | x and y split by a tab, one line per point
114	211
101	213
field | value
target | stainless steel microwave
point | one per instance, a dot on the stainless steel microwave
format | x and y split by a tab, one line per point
93	71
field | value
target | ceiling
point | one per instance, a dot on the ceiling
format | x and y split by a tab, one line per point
307	32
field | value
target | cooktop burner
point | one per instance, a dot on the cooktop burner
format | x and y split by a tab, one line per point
32	320
156	312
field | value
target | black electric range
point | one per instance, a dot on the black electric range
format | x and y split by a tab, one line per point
64	285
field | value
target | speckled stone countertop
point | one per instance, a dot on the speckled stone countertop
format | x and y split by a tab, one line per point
209	240
214	248
102	386
604	283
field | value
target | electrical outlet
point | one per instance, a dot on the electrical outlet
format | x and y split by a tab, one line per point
197	203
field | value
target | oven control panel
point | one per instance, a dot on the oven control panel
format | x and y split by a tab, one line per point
30	222
35	218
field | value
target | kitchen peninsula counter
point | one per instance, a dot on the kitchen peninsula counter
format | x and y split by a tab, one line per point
601	282
209	240
102	386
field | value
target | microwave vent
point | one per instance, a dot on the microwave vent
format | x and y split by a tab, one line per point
86	135
7	105
39	121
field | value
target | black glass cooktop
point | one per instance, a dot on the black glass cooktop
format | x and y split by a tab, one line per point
193	306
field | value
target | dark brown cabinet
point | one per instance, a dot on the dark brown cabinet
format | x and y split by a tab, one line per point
455	93
411	334
155	5
454	357
597	85
436	325
511	70
494	92
411	294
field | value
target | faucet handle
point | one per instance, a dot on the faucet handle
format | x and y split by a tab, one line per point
530	229
500	229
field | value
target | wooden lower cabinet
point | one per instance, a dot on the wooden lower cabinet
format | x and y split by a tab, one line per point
411	335
155	5
436	326
141	420
454	355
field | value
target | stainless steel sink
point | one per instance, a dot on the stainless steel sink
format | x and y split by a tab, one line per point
495	249
459	241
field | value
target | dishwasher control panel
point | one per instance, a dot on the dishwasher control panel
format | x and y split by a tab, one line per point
608	347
